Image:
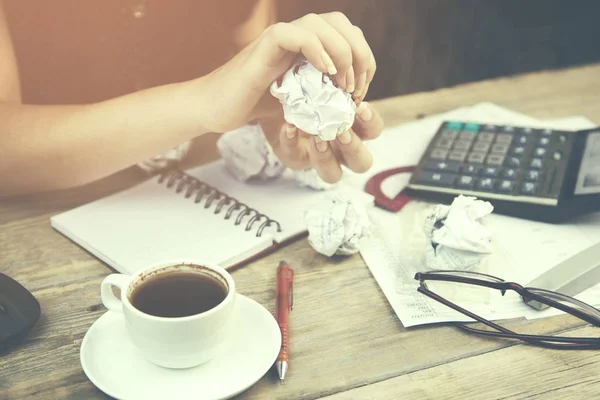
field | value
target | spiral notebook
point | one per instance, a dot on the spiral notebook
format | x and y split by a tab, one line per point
202	214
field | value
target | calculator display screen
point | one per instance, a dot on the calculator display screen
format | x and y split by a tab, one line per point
588	180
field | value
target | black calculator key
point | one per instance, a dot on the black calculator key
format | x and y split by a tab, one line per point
465	182
445	166
495	159
510	173
514	161
508	129
485	137
540	152
476	158
439	154
449	135
562	138
557	155
505	138
527	131
499	149
466	135
491	171
437	178
547	132
543	141
457	155
486	184
444	143
482	147
471	169
462	144
529	188
506	186
523	140
518	150
532	175
537	163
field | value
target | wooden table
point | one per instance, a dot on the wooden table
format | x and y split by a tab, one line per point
347	343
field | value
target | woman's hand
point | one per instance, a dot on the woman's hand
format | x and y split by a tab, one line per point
239	90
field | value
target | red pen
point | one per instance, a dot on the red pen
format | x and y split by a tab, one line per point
284	303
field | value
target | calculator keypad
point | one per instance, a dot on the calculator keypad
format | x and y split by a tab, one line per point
491	159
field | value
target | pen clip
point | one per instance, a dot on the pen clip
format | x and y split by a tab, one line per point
291	295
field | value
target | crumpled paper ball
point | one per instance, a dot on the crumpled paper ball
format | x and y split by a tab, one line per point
312	103
310	178
458	238
337	225
247	154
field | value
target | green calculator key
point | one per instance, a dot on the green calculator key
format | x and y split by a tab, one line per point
454	126
472	127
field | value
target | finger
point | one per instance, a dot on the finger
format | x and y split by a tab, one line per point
362	56
354	152
281	38
293	148
368	124
334	43
358	100
324	161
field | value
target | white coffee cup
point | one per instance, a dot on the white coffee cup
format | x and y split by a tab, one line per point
180	342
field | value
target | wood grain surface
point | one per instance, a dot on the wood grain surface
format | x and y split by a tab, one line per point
345	340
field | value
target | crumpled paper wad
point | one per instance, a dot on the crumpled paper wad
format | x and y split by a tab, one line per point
337	225
310	178
247	154
312	103
458	238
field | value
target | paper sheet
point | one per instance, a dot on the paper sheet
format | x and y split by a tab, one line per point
391	250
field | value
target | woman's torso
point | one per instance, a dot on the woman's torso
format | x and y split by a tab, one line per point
73	51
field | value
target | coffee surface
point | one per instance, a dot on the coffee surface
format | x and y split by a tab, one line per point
178	294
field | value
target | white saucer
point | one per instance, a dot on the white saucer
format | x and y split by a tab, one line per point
116	367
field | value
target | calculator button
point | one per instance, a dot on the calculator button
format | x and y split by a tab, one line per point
486	184
470	126
506	186
529	188
476	158
485	137
562	138
457	155
540	152
471	169
532	175
482	147
446	166
439	154
508	129
462	144
518	150
514	161
557	155
499	149
437	178
465	182
547	132
490	171
537	163
444	143
522	140
454	125
449	135
467	135
544	141
504	138
527	131
510	173
495	159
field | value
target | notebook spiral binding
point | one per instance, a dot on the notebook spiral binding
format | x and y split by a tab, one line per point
175	178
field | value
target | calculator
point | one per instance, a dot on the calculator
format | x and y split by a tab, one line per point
539	174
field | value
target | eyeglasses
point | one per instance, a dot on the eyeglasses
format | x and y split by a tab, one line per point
556	300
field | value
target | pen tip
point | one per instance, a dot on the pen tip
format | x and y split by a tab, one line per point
281	381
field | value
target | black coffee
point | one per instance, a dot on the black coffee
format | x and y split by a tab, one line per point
178	294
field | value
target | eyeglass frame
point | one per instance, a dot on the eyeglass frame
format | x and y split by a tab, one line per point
554	342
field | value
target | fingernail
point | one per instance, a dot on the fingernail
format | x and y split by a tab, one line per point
345	137
364	112
350	80
290	131
321	145
360	84
328	62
